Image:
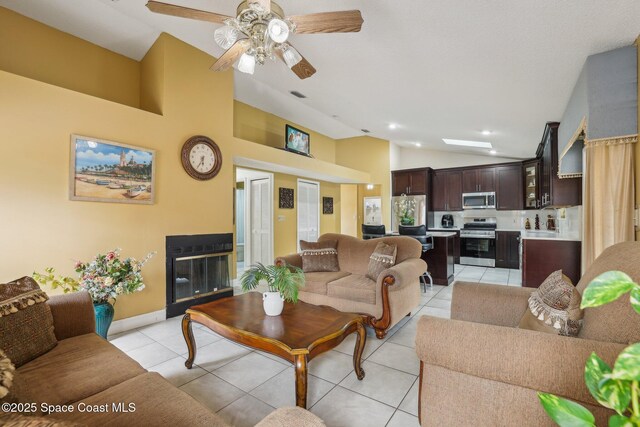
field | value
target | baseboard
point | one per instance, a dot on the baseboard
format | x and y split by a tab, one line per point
134	322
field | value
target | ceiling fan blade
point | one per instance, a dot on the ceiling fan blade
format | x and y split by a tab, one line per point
264	4
303	69
349	21
231	55
186	12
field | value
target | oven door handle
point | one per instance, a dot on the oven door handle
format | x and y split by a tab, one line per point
478	237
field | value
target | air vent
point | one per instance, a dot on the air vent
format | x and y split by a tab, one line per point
365	130
297	94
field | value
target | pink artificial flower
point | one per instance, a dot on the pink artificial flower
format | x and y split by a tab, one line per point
111	255
78	265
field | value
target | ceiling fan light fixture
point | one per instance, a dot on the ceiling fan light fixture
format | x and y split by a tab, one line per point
291	56
247	63
226	36
278	30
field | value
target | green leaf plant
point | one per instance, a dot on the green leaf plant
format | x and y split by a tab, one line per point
616	388
285	279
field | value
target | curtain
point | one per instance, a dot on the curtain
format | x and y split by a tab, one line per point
608	195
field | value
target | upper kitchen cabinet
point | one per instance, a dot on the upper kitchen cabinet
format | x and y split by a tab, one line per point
480	180
509	194
553	190
447	190
531	175
412	182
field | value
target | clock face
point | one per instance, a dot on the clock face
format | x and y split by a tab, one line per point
202	158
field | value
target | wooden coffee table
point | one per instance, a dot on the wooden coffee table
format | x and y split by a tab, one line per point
299	334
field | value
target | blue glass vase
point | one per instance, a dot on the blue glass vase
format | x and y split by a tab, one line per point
104	317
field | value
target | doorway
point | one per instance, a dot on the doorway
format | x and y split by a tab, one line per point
254	221
308	211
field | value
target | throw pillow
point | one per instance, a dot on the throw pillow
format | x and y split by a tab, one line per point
26	322
6	374
319	256
383	257
554	307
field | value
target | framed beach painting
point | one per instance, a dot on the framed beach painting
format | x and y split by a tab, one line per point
108	171
373	210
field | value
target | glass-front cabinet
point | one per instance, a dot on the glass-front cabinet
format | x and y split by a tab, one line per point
532	184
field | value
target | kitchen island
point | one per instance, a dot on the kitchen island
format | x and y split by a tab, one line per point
440	259
544	252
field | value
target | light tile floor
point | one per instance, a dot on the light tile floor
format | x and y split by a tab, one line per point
243	385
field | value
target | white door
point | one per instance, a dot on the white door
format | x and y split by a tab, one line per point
260	221
308	211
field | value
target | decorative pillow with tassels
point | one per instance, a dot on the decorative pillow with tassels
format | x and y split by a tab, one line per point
26	322
554	307
383	257
319	256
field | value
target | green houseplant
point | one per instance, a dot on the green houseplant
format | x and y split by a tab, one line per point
282	281
616	388
105	278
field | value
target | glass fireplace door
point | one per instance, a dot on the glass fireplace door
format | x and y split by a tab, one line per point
201	275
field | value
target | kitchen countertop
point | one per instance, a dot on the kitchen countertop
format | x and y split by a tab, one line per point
531	235
441	233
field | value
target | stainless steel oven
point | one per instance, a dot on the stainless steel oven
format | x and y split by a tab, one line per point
478	242
479	200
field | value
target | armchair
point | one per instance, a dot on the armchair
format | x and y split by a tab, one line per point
481	353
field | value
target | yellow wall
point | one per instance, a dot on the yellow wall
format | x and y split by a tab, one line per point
264	128
638	145
372	155
37	51
41	227
349	209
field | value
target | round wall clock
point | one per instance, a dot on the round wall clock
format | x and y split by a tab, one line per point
201	157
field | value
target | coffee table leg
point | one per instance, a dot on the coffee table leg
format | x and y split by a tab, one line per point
357	352
301	380
187	332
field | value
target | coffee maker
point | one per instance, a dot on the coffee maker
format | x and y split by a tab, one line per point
447	221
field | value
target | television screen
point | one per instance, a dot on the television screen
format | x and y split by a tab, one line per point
297	141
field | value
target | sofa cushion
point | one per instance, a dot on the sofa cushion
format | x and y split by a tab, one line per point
26	324
18	420
7	371
353	287
316	282
76	368
554	307
319	256
383	257
156	402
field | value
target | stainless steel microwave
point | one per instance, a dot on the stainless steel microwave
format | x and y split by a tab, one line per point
479	200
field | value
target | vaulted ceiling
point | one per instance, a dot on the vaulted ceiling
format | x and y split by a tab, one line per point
435	68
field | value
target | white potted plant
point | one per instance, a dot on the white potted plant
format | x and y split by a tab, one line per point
282	281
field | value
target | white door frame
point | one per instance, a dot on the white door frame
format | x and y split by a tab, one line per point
307	181
247	219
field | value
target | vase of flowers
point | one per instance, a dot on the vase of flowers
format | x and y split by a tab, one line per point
105	278
282	281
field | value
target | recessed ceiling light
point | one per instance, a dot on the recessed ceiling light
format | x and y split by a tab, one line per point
393	126
477	144
418	144
493	152
486	132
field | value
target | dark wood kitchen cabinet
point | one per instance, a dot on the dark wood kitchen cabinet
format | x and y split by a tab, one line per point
553	190
440	260
508	249
509	194
410	182
447	190
540	258
480	180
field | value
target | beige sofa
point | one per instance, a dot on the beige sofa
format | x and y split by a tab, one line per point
85	370
480	369
384	301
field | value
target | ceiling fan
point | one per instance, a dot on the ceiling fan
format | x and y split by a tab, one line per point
261	31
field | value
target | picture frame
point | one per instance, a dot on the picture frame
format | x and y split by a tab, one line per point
327	205
372	210
297	141
285	198
108	171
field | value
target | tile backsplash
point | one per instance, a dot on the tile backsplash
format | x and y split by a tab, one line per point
568	220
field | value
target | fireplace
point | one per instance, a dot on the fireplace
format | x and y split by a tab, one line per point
198	270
